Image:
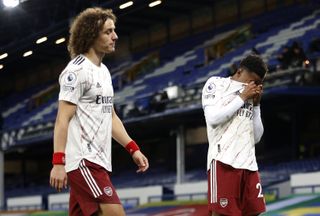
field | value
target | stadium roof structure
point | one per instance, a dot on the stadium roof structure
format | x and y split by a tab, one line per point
23	25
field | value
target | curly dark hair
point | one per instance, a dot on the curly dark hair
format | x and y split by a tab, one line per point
85	29
255	64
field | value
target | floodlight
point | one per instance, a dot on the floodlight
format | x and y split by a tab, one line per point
125	5
41	40
28	53
10	3
4	55
154	3
60	40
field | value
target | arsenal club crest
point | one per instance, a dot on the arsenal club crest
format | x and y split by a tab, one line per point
108	191
223	202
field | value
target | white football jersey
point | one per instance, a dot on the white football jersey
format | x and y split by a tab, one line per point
89	133
232	140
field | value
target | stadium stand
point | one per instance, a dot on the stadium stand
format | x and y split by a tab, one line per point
171	73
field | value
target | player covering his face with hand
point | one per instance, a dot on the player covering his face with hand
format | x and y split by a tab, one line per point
232	113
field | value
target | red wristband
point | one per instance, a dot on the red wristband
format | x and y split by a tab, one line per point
58	158
132	147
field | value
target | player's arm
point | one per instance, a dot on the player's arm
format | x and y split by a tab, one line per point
70	92
66	111
257	122
220	113
58	176
120	134
220	110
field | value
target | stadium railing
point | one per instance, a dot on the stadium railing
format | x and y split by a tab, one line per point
306	189
180	197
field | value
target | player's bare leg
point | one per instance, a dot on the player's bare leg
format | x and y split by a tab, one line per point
111	210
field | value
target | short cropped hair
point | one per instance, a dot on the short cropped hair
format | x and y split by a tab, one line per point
255	64
85	29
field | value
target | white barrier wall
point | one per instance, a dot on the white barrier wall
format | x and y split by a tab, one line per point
58	201
143	193
305	182
283	189
61	201
200	188
25	203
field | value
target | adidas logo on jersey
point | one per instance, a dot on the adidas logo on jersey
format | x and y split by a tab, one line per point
98	85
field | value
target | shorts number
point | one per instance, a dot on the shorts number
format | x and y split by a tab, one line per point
258	186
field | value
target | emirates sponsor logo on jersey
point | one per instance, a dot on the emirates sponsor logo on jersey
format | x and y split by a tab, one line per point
106	109
104	99
223	202
108	191
246	110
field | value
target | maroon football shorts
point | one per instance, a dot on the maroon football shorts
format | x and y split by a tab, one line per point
90	185
234	191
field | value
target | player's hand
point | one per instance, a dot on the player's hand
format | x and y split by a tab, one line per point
58	177
141	161
250	91
257	98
